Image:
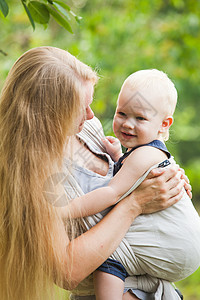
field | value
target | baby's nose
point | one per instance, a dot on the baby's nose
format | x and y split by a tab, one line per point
129	124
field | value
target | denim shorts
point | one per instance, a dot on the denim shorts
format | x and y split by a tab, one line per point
114	267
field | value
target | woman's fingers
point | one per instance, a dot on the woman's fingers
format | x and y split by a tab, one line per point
162	188
167	172
189	192
171	196
168	186
177	189
187	185
173	181
168	178
172	188
176	196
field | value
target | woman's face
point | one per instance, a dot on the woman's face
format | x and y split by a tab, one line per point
87	113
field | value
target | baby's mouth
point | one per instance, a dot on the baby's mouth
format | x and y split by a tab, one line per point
127	135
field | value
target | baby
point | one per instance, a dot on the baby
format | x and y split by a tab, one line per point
163	244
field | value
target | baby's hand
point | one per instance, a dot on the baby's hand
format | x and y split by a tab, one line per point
113	147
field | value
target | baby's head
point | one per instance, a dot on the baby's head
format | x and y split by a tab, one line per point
145	107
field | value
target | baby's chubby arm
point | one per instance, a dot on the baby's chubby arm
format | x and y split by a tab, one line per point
91	203
133	167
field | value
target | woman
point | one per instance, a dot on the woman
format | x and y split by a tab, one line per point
44	101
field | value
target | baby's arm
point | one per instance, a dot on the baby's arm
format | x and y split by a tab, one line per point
134	166
91	203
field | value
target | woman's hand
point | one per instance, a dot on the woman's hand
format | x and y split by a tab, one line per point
162	188
187	185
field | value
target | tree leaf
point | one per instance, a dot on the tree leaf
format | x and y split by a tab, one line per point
45	26
4	7
39	12
28	14
62	4
59	19
61	10
4	53
78	19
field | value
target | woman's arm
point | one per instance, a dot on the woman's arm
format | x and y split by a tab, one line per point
85	253
161	189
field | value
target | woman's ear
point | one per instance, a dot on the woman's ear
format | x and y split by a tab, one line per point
166	123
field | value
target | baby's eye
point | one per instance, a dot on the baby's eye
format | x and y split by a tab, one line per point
121	113
140	118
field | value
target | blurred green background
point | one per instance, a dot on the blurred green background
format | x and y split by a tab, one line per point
116	38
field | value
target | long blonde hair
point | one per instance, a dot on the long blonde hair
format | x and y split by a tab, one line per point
39	106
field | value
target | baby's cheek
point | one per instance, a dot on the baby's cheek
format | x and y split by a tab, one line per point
116	125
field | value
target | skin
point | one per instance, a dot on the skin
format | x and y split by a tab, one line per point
88	113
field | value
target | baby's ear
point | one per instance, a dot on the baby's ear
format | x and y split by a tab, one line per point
166	123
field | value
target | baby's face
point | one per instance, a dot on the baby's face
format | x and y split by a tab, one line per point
138	117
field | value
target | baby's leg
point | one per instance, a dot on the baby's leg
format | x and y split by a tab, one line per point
108	286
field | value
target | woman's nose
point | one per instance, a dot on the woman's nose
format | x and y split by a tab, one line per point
89	113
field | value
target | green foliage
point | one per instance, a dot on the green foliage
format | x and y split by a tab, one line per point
190	287
40	11
4	7
59	18
28	14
